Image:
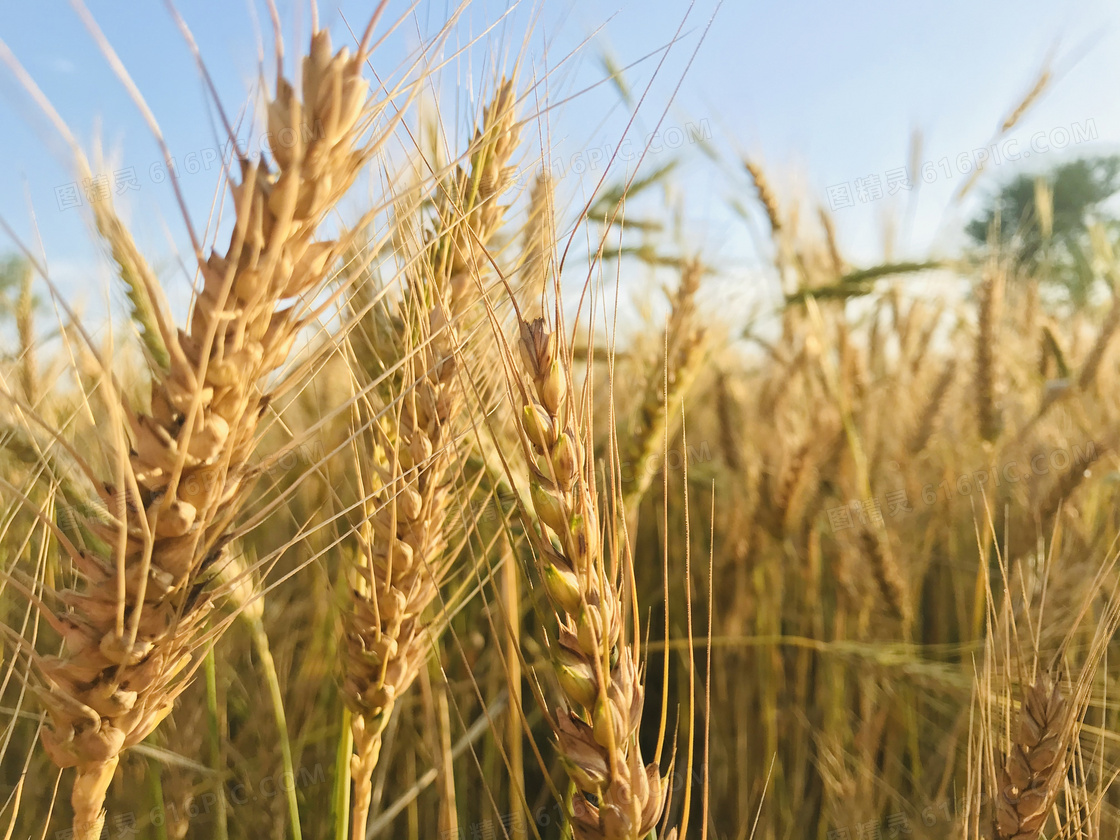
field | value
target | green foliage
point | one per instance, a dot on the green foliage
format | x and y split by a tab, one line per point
1055	241
11	276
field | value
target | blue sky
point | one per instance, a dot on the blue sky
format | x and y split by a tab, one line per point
823	93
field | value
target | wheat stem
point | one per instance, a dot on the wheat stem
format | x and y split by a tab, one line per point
214	733
276	697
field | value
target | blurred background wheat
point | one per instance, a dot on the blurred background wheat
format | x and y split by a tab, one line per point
395	504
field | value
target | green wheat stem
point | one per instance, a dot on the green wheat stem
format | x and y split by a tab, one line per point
216	742
156	786
341	797
264	652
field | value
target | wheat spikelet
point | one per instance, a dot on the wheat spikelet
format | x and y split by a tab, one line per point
470	208
987	409
839	266
1070	480
659	411
765	195
875	343
1025	104
140	283
25	329
728	435
1031	774
130	630
1100	346
928	418
887	574
782	486
539	236
1050	347
387	633
617	796
925	340
1017	113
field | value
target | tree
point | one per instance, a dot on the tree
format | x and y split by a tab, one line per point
1060	256
11	278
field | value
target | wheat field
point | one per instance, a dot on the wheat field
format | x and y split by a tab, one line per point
407	524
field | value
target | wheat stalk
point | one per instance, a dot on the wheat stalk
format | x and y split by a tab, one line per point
402	536
130	631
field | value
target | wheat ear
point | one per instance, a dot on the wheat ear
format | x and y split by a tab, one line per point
1031	775
667	384
25	330
387	634
538	241
928	418
885	569
130	630
766	195
617	796
987	396
726	410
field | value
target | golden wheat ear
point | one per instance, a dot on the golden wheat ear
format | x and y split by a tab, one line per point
1030	778
594	659
417	416
135	622
667	384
